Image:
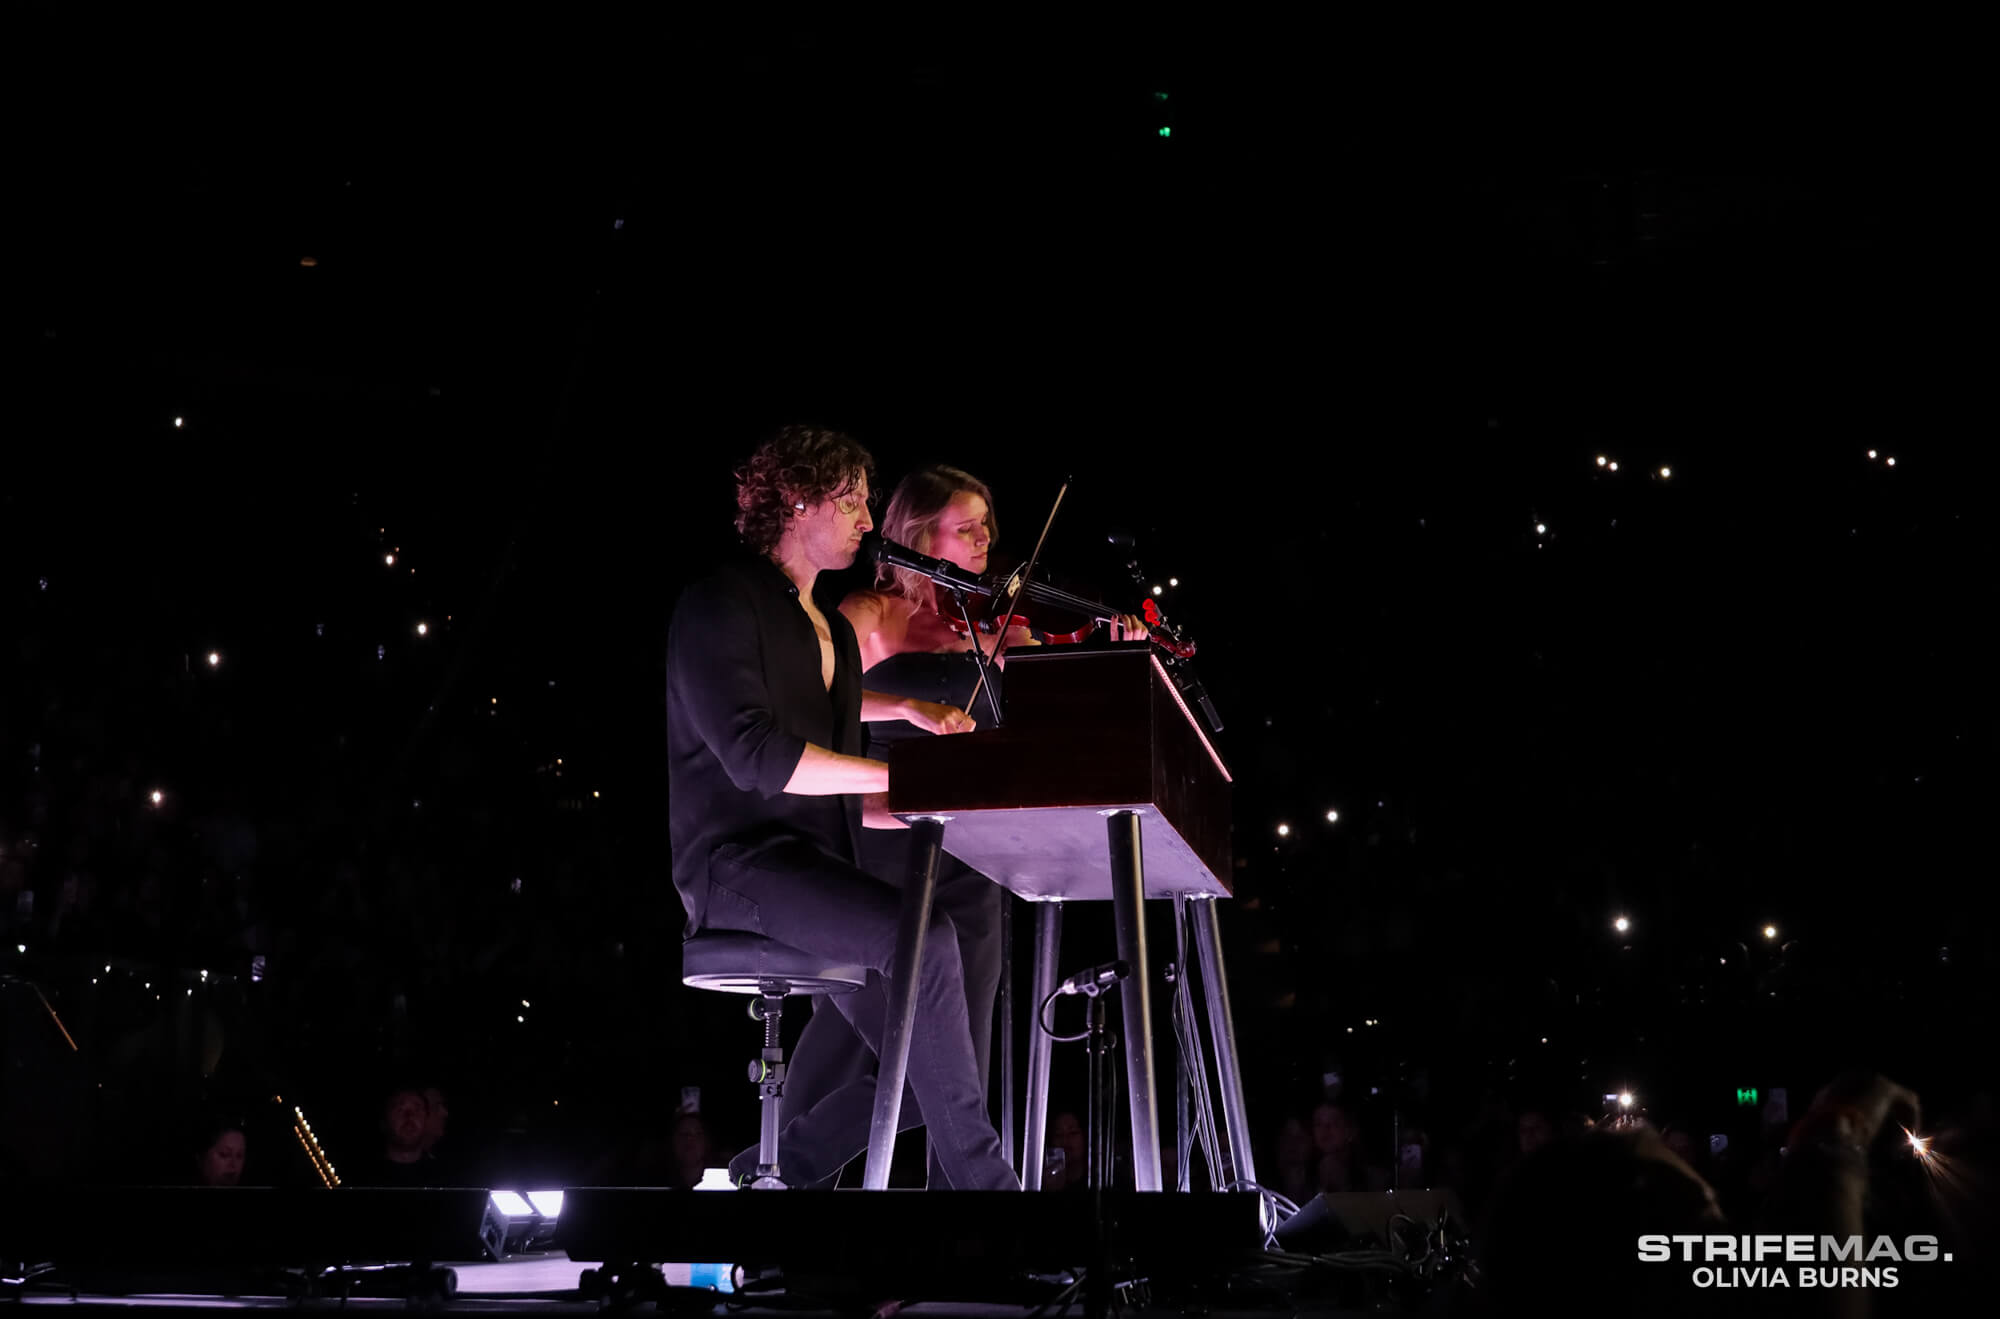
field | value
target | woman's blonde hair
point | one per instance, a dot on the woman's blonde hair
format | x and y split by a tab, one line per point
912	518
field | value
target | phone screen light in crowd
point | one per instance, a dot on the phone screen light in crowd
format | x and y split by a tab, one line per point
389	559
1622	924
1770	931
213	659
423	629
1173	581
1602	461
1625	1099
1284	831
158	797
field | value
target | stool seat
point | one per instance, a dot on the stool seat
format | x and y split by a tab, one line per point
738	962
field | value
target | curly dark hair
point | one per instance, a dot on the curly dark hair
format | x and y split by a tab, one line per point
797	465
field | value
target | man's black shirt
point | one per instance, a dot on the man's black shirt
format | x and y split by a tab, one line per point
744	697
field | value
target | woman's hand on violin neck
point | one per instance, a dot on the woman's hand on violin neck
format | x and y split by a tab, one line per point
935	718
1129	627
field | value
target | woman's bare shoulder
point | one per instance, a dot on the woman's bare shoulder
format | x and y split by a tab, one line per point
870	609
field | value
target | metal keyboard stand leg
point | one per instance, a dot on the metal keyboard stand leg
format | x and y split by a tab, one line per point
1128	914
895	1060
1000	1071
1242	1169
1035	1124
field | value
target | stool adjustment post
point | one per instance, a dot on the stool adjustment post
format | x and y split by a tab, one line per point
769	1074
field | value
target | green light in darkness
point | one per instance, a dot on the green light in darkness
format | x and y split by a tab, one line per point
1166	132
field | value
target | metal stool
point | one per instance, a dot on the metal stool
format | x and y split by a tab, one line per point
736	962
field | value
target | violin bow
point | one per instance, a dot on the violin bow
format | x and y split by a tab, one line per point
1018	582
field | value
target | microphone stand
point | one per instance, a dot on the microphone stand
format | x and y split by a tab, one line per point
1103	1085
1182	671
1103	1134
1020	580
979	656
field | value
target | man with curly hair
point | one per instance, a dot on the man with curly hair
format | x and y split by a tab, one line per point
768	787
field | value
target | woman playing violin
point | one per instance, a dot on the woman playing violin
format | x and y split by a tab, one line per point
947	514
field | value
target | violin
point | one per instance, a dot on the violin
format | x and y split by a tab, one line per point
1066	618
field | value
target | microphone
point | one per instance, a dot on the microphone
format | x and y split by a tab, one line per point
881	550
1096	980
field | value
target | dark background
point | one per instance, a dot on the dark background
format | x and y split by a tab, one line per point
1330	351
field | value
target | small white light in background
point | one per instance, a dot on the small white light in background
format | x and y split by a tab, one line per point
214	659
423	629
179	422
1333	817
1284	831
1602	460
389	559
547	1203
1621	925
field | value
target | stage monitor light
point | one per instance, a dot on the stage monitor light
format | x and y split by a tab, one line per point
515	1226
715	1179
547	1203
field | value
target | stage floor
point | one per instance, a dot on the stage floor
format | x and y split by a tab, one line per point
548	1285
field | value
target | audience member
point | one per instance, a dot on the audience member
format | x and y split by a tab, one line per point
1337	1146
693	1149
220	1153
399	1160
1072	1170
1296	1176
